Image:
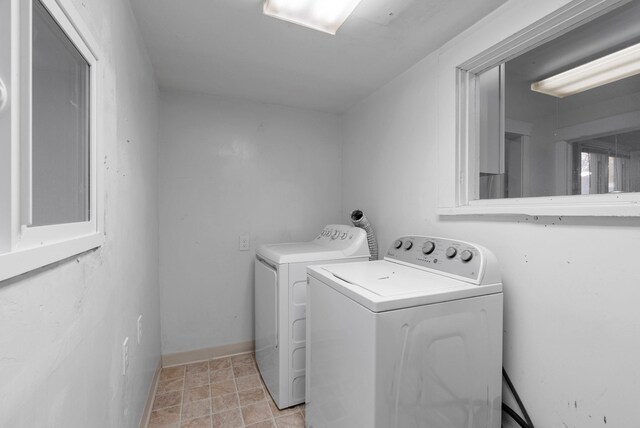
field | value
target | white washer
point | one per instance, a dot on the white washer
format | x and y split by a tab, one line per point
414	340
280	304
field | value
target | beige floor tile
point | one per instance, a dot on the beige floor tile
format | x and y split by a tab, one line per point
221	393
169	385
224	402
161	425
172	372
294	420
204	422
202	366
221	375
196	378
227	419
241	370
195	394
248	382
277	412
264	424
169	399
220	363
251	396
169	416
222	388
196	409
242	359
256	412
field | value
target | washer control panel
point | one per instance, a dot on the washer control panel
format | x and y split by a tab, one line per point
446	256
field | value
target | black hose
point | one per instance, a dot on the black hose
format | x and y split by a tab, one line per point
516	417
517	397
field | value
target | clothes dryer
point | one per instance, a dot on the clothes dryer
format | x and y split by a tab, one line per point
280	305
414	340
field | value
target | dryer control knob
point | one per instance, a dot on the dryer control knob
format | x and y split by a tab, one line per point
466	255
343	236
408	245
451	252
397	244
428	247
335	234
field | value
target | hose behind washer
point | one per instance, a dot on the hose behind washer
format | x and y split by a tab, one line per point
359	220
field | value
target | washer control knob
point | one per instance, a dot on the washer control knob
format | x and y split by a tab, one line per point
466	255
397	244
408	245
335	234
344	235
428	247
451	252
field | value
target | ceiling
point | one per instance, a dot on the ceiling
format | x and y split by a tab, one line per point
228	47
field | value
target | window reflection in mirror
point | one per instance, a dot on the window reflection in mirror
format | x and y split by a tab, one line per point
549	144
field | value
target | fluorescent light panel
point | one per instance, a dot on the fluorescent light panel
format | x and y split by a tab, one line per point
321	15
616	66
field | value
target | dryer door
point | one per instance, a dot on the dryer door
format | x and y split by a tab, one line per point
266	323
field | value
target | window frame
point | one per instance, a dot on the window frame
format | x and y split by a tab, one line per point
461	198
24	248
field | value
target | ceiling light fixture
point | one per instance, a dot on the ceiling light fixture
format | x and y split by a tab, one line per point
616	66
321	15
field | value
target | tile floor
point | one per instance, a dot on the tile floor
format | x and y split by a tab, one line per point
220	393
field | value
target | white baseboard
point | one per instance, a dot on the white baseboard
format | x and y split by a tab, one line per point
144	421
206	354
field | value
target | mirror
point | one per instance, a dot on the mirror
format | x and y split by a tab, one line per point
564	117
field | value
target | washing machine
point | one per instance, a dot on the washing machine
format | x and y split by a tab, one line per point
414	340
280	304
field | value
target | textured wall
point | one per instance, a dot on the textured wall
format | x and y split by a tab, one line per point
62	326
229	167
571	284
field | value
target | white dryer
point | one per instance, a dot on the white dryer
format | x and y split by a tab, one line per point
414	340
280	305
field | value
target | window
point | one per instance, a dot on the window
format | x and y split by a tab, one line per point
608	164
546	124
49	184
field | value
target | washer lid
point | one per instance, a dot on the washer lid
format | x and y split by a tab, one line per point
383	285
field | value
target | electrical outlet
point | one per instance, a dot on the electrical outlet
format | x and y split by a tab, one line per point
244	242
140	329
125	356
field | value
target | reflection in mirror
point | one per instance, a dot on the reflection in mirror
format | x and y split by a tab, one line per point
608	164
578	139
60	102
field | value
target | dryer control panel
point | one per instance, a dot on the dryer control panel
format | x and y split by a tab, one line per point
340	233
463	260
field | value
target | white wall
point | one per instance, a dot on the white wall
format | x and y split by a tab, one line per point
229	167
571	284
62	326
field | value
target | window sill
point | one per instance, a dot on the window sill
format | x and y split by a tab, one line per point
613	205
23	261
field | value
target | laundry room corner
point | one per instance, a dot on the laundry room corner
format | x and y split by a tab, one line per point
232	168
